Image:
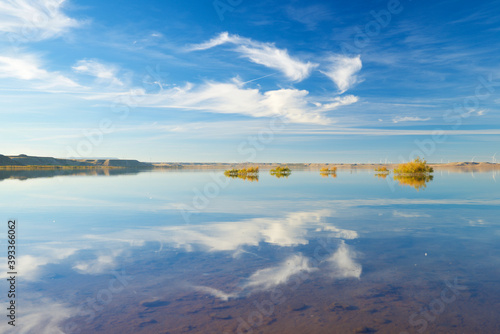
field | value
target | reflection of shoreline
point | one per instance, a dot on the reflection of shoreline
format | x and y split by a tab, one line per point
25	174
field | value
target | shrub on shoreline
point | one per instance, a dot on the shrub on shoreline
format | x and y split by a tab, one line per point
251	171
281	171
246	177
328	170
382	170
415	167
325	172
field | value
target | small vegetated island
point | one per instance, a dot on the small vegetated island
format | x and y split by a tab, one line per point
382	172
250	174
415	174
325	172
280	172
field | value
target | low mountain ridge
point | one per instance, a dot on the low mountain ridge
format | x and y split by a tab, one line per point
6	161
26	160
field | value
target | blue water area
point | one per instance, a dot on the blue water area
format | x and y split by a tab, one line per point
191	251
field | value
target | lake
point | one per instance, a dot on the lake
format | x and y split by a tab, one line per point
191	251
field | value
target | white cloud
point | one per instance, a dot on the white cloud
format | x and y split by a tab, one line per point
474	112
290	230
265	279
293	105
101	264
31	265
232	97
28	67
39	315
99	70
409	119
217	293
342	71
268	278
339	101
339	265
342	264
477	222
341	233
32	20
24	68
408	214
266	54
231	236
310	16
216	41
234	237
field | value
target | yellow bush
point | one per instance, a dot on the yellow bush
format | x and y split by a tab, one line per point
417	166
328	170
251	171
281	171
382	169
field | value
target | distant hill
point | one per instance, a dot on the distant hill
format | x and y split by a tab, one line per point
6	161
26	160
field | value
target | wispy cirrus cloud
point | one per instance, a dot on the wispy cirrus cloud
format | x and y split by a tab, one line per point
266	54
294	105
231	97
34	20
342	71
268	278
101	71
409	119
310	16
403	214
28	67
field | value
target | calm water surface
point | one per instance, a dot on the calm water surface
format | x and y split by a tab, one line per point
194	252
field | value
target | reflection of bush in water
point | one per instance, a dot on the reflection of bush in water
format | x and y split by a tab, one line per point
247	177
280	172
381	175
323	174
415	181
382	170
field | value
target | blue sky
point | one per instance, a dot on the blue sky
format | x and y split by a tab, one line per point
239	80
